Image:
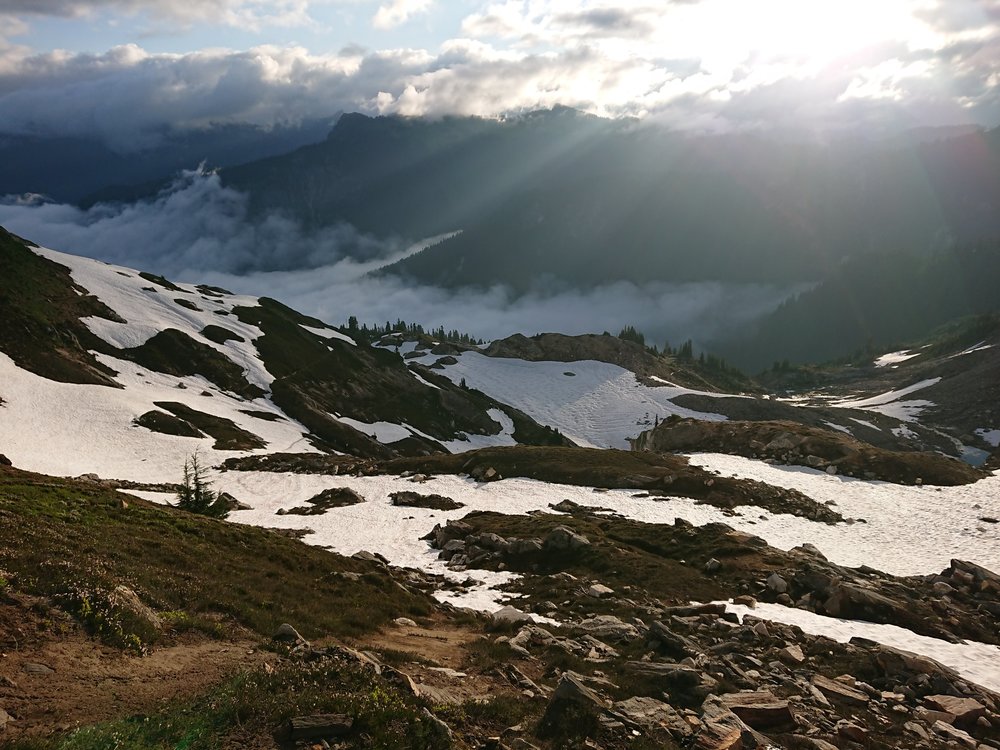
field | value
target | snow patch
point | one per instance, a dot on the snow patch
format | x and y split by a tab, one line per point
329	333
601	407
894	358
991	437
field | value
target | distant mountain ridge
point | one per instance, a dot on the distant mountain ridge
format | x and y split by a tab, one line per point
575	198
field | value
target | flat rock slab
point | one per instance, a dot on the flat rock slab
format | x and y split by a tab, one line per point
35	668
839	692
759	710
964	711
320	726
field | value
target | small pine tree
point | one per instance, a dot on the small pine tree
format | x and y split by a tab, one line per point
196	494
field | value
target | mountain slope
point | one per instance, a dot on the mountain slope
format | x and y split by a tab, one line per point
124	372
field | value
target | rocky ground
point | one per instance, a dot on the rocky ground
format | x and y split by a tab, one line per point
792	443
602	646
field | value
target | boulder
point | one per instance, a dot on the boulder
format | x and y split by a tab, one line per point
609	628
777	584
571	696
721	729
759	710
287	634
319	726
791	655
651	714
963	711
126	602
839	692
561	539
511	614
600	591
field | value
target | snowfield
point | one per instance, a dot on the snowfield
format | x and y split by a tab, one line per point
149	312
594	404
68	429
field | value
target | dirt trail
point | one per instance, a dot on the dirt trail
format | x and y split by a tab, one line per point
438	656
90	682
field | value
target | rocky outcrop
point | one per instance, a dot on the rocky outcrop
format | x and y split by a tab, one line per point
791	443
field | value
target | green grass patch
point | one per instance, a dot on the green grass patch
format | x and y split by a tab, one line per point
60	538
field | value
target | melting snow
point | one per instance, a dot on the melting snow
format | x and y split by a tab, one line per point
601	407
894	358
992	437
889	404
329	333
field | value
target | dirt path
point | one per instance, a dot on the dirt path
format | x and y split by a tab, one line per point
54	677
438	655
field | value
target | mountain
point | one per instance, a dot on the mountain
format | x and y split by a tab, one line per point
571	197
874	302
428	541
84	171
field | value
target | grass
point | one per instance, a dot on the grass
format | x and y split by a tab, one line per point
256	704
72	541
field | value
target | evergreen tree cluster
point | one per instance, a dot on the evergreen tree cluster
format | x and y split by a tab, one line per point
376	331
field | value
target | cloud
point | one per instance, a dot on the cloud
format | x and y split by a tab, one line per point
199	231
941	66
397	12
249	14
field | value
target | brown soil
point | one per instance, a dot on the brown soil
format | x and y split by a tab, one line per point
90	682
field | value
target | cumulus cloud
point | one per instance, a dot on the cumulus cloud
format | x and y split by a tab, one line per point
397	12
199	231
732	64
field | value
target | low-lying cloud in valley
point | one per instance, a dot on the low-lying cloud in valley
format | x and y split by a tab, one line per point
200	231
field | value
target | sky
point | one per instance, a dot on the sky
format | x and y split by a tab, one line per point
123	70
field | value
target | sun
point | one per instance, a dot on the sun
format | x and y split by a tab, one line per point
808	34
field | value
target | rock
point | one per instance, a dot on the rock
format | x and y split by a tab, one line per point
4	461
287	634
231	503
521	547
713	566
599	591
693	610
679	678
852	731
4	719
759	710
490	474
963	711
912	726
561	539
608	627
373	557
777	584
319	726
964	739
745	600
791	655
853	602
813	743
831	469
125	600
409	499
838	692
31	667
405	622
652	714
571	693
721	729
511	615
440	727
677	645
941	588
